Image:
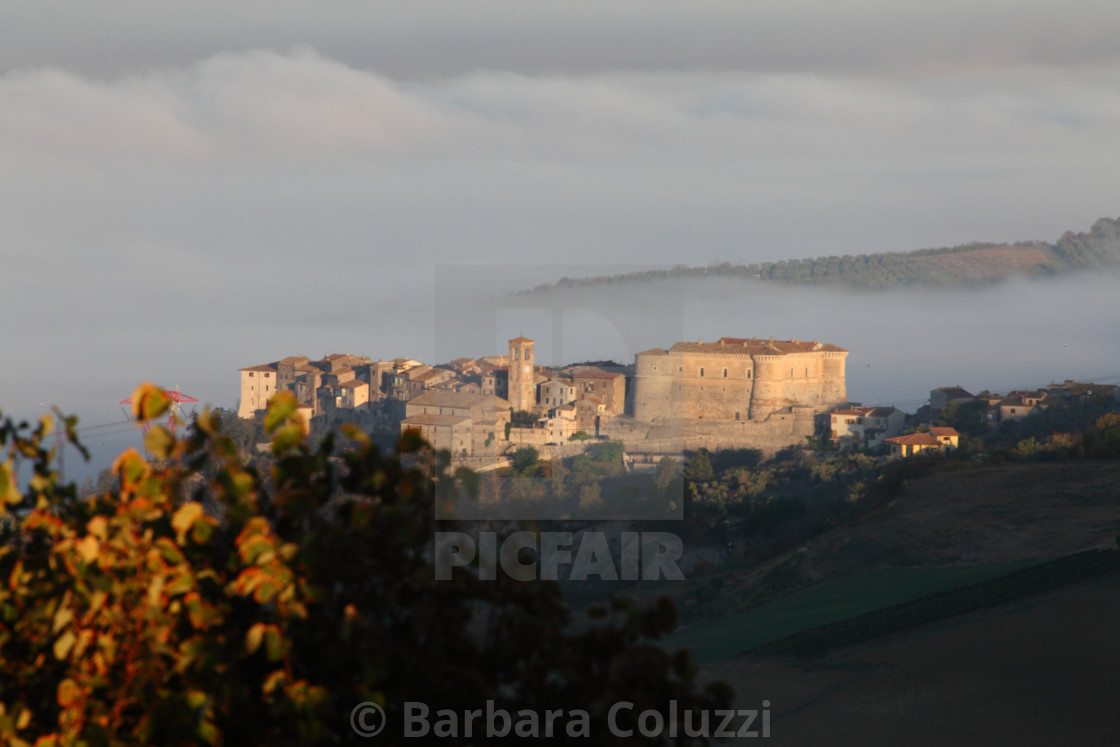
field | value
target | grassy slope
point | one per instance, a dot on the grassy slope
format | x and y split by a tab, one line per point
829	601
946	531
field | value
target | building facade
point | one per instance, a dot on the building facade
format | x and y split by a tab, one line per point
736	379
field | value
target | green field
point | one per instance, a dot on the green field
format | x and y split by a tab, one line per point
824	603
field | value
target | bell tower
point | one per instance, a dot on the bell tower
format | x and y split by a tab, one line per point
522	384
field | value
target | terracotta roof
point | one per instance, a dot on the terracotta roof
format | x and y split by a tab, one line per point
654	351
521	339
353	384
754	346
944	431
852	411
263	367
914	439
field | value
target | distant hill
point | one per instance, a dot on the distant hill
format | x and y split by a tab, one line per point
967	265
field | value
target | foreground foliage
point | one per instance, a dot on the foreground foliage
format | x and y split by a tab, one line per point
202	601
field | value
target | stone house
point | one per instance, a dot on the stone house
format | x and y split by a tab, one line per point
913	443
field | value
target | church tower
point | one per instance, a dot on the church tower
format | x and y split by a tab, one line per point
522	382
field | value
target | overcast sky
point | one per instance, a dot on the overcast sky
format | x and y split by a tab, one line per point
187	188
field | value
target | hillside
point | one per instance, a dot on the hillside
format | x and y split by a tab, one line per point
945	531
960	266
1040	669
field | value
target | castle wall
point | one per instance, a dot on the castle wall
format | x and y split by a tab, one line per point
651	396
736	393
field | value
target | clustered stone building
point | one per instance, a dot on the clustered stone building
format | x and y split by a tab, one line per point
731	393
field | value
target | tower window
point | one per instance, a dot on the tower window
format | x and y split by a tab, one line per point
725	373
701	372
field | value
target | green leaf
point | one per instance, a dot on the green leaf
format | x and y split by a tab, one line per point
286	438
181	584
201	531
159	442
273	643
280	408
168	551
149	401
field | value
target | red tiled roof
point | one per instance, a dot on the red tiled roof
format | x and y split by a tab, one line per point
914	439
263	367
852	411
944	431
755	346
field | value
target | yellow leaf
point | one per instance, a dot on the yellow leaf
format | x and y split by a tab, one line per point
62	618
253	637
63	644
88	547
9	493
23	719
98	527
185	516
206	422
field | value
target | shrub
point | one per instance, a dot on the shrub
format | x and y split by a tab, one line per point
137	616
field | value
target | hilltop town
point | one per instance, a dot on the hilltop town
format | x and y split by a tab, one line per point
731	393
762	394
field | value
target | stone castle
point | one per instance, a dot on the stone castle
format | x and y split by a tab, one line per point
736	392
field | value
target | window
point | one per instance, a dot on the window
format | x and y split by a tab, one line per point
250	373
725	373
528	354
748	374
806	372
791	373
680	369
701	372
515	352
